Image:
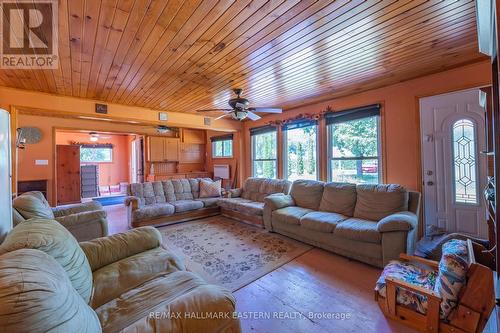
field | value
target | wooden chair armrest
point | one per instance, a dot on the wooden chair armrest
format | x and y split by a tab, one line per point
416	289
427	262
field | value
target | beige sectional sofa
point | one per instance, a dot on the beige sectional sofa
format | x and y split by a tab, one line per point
85	221
169	201
369	223
122	283
247	203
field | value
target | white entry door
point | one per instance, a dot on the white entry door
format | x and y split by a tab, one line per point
454	170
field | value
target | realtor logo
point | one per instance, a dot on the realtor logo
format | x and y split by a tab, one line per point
29	34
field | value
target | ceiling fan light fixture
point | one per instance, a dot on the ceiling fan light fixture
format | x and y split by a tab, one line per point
239	115
93	137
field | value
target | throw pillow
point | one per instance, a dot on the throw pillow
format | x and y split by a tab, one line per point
209	189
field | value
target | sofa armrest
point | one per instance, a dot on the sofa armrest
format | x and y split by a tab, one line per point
133	202
86	225
278	200
402	221
103	251
76	208
235	193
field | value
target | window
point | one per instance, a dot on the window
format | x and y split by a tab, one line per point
222	146
300	150
96	153
264	152
354	145
464	159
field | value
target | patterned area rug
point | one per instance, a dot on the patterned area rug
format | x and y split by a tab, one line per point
229	253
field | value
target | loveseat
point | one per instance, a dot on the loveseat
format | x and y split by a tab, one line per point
169	201
122	283
85	221
369	223
247	203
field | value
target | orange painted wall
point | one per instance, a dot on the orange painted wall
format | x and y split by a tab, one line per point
109	173
400	117
234	162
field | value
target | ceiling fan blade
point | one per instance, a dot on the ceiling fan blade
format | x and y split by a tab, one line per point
267	110
215	110
252	115
219	117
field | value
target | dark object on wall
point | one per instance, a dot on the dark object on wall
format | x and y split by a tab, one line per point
101	108
40	185
89	180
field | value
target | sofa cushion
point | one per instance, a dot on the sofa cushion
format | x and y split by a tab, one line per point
31	206
452	274
148	193
376	201
182	189
230	203
271	186
168	190
358	229
119	277
307	193
290	215
52	238
186	205
37	296
321	221
250	208
208	202
177	292
152	211
339	198
251	188
210	189
137	190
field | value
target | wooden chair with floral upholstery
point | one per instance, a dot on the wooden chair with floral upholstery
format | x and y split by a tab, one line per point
454	295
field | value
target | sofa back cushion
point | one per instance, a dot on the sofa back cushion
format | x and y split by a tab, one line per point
182	189
37	296
307	193
376	201
148	193
168	190
52	238
339	198
271	186
31	205
251	188
452	274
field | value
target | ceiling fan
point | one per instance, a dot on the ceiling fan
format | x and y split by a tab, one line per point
240	108
94	137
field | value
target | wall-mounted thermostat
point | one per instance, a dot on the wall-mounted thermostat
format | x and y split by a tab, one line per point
162	116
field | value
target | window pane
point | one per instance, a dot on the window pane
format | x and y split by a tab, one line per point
264	146
228	147
218	148
96	155
464	157
300	153
356	138
222	148
264	169
355	171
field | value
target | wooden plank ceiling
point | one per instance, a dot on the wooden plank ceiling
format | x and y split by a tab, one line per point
187	55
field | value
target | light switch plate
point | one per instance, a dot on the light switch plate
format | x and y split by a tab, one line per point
41	162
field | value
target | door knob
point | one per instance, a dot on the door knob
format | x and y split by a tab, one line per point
430	183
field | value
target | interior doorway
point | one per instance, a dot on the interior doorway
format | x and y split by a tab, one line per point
454	169
95	165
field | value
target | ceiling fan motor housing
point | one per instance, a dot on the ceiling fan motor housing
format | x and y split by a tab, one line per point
236	103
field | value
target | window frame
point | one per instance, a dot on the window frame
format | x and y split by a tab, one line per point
285	152
97	147
379	158
222	142
253	159
476	163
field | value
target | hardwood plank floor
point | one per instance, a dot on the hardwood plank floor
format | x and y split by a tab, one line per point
300	295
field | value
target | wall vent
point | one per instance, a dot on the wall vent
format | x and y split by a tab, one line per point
207	121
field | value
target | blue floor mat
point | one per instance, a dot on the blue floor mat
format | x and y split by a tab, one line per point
108	201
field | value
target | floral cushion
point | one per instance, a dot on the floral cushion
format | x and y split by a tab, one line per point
452	274
411	274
